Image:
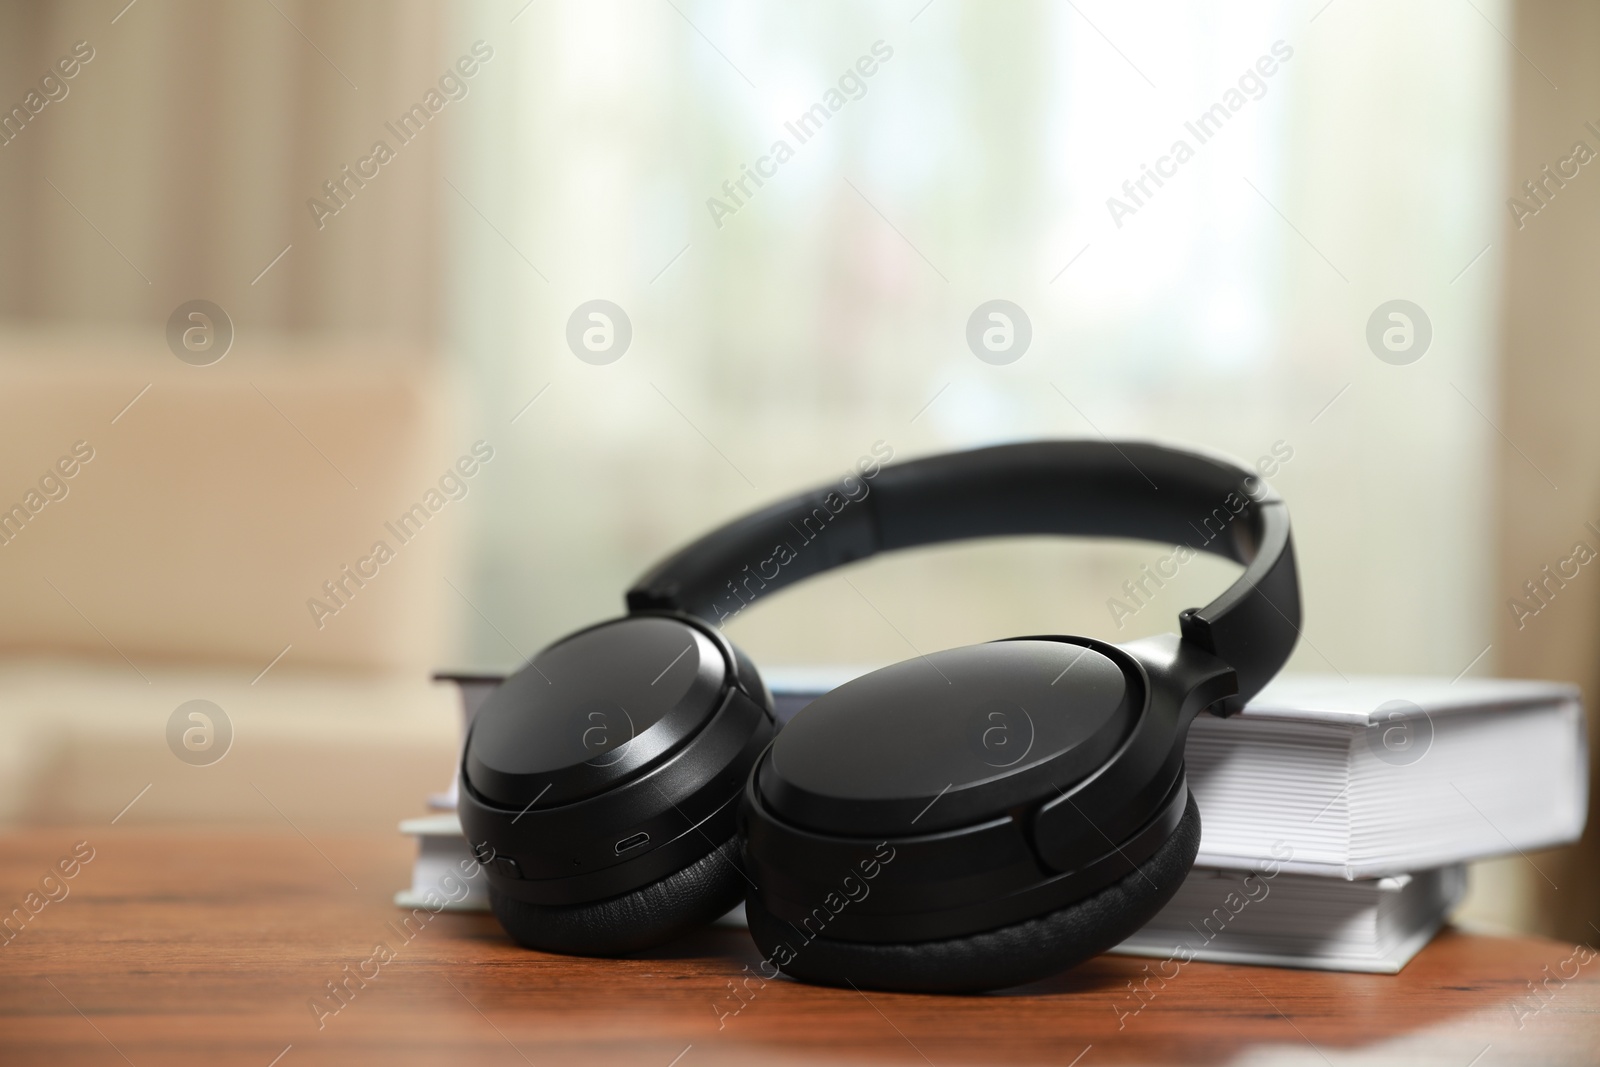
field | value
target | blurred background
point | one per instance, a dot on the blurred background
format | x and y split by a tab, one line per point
395	214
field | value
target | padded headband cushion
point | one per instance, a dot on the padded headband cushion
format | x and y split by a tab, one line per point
995	959
636	920
1075	488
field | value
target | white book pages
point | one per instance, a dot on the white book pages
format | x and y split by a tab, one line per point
441	852
1284	919
1394	775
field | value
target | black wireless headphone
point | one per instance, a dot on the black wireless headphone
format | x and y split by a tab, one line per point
967	820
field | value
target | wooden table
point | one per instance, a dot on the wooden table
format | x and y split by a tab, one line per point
206	947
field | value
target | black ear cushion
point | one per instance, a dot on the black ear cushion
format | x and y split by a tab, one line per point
1011	955
639	919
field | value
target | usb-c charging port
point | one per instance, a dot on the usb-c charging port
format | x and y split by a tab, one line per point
631	842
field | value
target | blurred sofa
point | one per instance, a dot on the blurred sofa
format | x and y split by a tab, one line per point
204	511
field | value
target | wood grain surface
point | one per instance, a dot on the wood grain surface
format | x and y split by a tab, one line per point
209	947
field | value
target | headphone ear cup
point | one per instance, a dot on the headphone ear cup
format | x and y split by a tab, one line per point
638	844
633	921
1011	955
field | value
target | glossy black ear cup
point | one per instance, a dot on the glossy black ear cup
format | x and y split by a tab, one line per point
994	959
600	785
634	921
974	818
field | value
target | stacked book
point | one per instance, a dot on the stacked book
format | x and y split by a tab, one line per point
441	846
1337	814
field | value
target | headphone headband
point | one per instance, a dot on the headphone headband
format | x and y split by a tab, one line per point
1074	488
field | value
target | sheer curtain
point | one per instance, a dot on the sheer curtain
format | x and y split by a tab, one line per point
1339	159
180	160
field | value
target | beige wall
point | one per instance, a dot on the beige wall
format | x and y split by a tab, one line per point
1550	388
